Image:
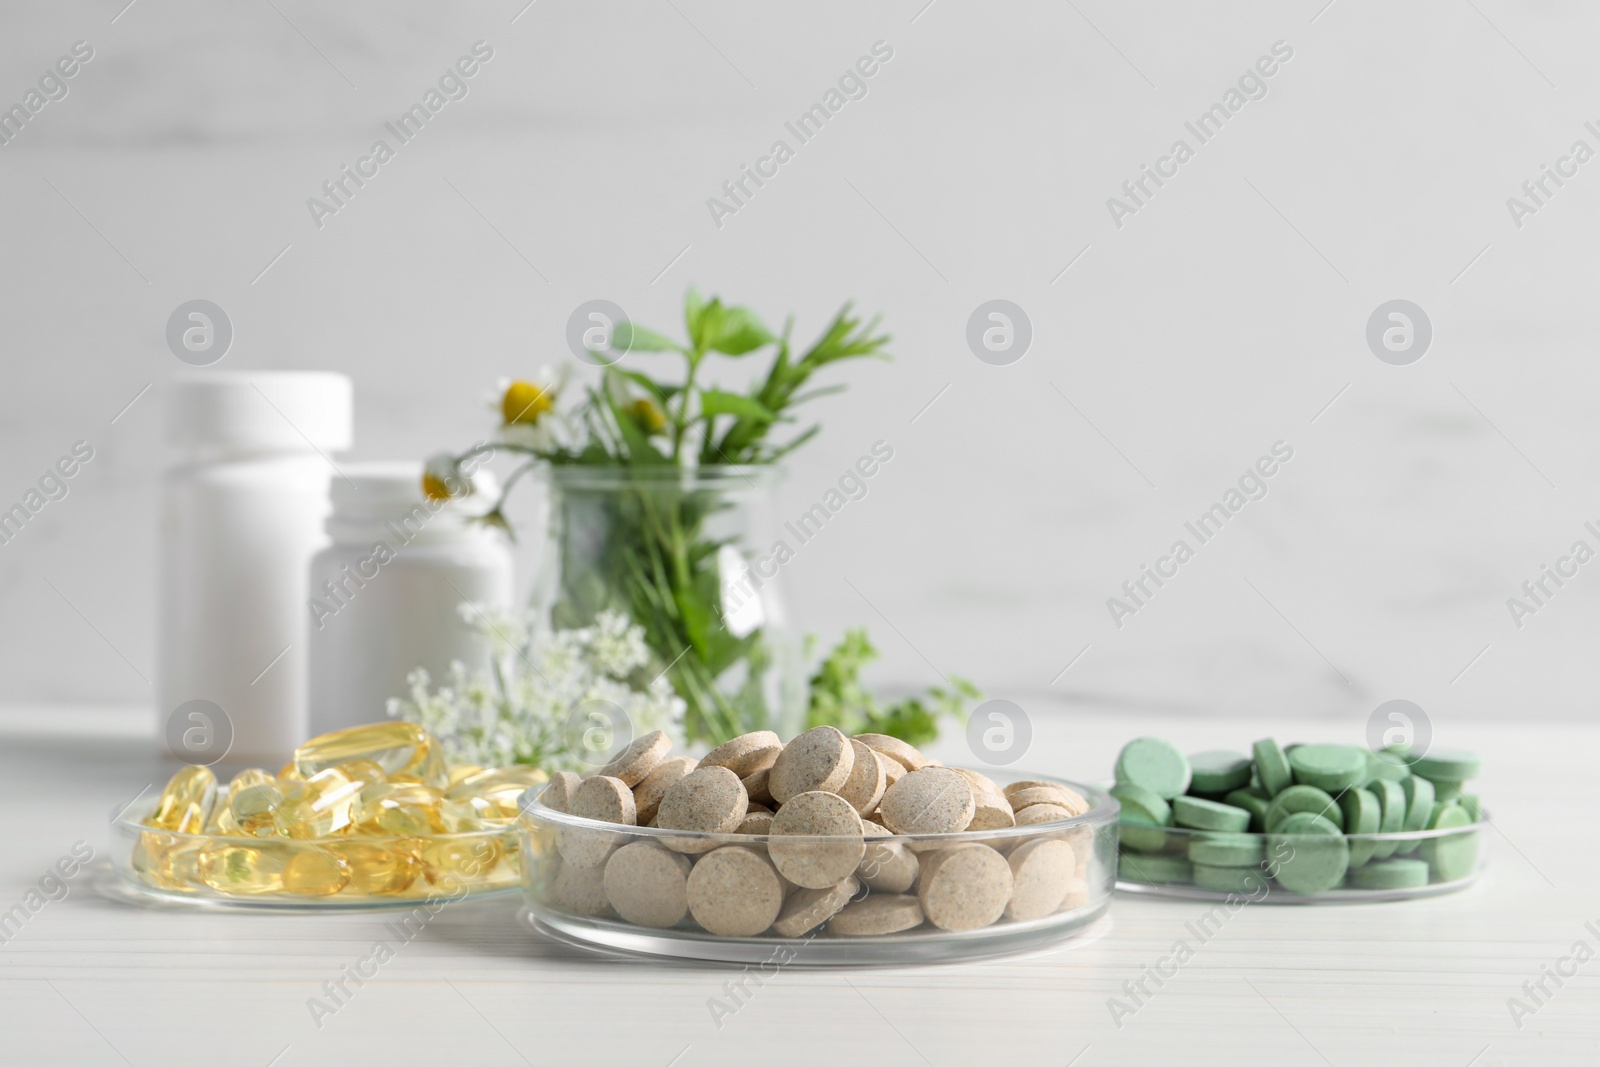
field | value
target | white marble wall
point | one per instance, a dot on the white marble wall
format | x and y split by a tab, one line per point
1223	317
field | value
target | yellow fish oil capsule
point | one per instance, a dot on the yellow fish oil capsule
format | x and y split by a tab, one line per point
223	818
322	805
463	770
245	870
167	862
221	822
501	789
377	870
253	810
509	870
430	765
469	814
186	802
454	861
489	798
501	877
364	771
146	857
517	772
403	810
314	872
248	777
182	865
397	747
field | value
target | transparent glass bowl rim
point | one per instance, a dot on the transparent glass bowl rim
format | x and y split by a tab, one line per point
132	819
1103	812
718	476
1380	838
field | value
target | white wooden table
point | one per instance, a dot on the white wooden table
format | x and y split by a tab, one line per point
92	980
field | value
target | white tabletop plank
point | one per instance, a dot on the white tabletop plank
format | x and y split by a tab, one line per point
94	980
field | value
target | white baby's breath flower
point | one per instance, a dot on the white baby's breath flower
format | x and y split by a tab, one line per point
505	630
523	714
617	646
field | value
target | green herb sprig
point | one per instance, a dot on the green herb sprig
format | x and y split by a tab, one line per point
838	698
648	553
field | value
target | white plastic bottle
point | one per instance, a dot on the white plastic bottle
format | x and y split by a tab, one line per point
242	514
384	598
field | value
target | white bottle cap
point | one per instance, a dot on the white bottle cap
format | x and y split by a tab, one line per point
272	410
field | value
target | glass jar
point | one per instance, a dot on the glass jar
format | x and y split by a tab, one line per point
694	557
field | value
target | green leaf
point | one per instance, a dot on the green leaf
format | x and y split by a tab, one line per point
815	394
631	337
783	450
714	402
738	331
909	720
846	338
659	390
640	449
694	607
693	306
705	321
837	697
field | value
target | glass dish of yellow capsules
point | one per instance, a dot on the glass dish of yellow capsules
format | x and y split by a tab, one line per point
372	816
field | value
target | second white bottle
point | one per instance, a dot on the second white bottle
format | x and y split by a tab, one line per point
385	596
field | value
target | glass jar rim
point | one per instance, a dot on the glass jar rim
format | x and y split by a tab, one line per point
587	476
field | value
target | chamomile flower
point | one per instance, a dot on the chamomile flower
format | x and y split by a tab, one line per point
649	417
527	408
442	478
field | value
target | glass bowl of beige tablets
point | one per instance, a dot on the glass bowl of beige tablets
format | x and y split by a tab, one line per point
1297	824
826	850
369	817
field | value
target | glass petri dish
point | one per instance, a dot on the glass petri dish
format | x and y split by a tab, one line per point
1288	868
317	874
744	911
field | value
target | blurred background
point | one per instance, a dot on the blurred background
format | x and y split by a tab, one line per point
1171	346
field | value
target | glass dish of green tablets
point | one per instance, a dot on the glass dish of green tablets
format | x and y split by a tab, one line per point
1306	824
805	863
